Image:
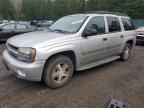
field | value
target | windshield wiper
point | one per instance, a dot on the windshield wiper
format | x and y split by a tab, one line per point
58	30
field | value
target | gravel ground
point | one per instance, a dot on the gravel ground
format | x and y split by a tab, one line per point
88	89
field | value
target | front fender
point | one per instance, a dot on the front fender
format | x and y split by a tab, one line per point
47	52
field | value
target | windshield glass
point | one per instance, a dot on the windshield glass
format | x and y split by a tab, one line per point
68	24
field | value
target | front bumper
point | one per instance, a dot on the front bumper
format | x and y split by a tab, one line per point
28	71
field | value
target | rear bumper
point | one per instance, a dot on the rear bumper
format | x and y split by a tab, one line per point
140	39
28	71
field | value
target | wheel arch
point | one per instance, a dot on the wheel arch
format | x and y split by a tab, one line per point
70	53
131	42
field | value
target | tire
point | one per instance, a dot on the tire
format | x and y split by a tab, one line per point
126	52
58	71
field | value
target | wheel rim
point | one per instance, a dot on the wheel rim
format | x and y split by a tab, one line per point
127	53
60	72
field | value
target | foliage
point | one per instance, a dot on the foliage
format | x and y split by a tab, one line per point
6	9
53	9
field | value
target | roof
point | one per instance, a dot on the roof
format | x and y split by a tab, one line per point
106	12
11	23
103	13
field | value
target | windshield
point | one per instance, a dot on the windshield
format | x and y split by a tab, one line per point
68	24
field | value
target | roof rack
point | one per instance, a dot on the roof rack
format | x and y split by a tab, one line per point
107	12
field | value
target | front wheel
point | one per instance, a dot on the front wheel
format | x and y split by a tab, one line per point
58	71
126	52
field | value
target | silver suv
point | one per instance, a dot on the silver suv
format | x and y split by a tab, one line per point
73	43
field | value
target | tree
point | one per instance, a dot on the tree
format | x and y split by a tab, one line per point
54	9
7	11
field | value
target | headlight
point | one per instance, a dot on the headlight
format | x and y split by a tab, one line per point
26	54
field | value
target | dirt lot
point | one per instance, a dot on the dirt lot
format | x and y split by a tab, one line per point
88	89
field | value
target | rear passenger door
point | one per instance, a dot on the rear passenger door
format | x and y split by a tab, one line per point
115	36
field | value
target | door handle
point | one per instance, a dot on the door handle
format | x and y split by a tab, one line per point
104	39
121	36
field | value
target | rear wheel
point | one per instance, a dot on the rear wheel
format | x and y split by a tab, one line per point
58	71
126	52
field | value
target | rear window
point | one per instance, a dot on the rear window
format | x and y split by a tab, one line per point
127	23
113	24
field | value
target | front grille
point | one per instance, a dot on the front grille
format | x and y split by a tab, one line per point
12	47
12	50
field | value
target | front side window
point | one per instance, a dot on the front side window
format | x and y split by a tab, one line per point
9	26
127	24
68	24
113	24
98	24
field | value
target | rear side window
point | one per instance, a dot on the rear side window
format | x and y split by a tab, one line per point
21	26
127	23
113	24
97	23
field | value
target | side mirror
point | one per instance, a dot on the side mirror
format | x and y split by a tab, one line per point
1	29
90	32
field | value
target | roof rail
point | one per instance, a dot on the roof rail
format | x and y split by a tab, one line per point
106	12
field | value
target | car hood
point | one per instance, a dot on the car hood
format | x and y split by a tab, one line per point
35	38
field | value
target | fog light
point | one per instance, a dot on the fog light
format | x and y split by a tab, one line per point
21	73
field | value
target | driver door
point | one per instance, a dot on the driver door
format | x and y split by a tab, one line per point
94	48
